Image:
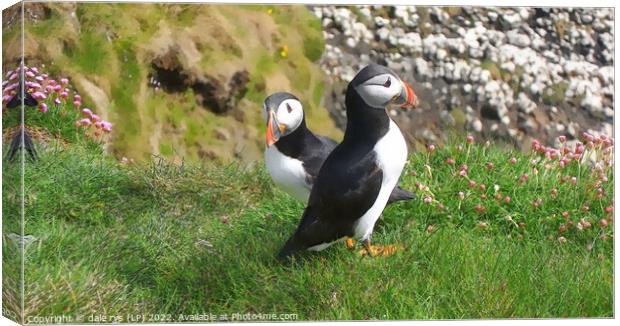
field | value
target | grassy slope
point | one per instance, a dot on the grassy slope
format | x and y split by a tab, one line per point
111	47
158	238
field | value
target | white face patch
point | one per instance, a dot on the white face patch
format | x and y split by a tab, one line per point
290	113
379	91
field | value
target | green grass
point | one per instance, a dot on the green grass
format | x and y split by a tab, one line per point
124	94
158	238
92	53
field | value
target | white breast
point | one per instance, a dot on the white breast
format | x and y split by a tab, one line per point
287	173
391	151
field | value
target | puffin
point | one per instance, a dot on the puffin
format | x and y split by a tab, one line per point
293	153
354	183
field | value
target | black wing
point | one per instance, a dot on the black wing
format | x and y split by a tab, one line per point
346	187
315	156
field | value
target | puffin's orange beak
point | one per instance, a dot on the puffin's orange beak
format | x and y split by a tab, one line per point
409	97
273	129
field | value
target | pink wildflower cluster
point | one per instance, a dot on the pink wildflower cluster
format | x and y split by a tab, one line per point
547	172
566	154
47	91
40	87
92	120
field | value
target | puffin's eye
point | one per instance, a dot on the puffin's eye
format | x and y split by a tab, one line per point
387	83
289	108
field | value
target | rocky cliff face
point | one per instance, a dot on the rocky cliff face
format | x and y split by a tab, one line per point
503	73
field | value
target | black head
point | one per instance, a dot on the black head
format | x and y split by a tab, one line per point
283	114
378	86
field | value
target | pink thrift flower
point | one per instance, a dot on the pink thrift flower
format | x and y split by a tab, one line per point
523	178
85	122
482	225
482	187
573	180
29	74
95	117
52	82
480	209
513	160
64	95
430	148
87	112
57	101
32	85
490	166
459	147
579	149
6	98
461	195
507	199
603	223
11	87
57	88
106	126
64	81
98	124
565	214
472	183
450	161
587	137
39	95
562	240
77	97
428	199
470	139
463	173
43	107
40	79
77	104
554	193
562	139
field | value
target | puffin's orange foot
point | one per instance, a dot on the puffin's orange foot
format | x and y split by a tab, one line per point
378	250
350	243
389	250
